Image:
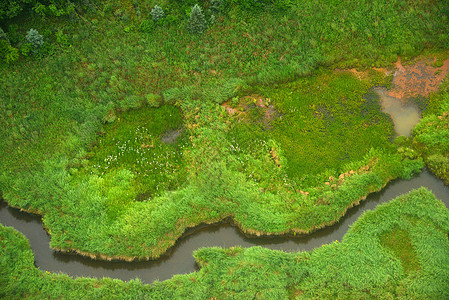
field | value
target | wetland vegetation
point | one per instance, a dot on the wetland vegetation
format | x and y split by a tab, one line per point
122	126
398	250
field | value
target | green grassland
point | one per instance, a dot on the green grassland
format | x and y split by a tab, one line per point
399	250
431	135
320	123
116	133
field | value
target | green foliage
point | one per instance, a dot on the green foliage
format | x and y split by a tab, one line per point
216	7
35	39
3	35
317	126
411	168
8	53
157	13
56	146
56	8
146	26
399	250
259	4
11	8
197	22
398	241
431	135
148	143
153	100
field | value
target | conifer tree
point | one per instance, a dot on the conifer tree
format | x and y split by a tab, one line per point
157	13
34	38
197	22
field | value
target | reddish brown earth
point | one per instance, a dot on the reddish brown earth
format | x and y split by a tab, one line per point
417	79
270	112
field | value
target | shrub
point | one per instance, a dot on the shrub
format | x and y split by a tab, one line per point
146	26
197	22
438	163
131	101
153	100
8	53
12	54
10	9
216	6
212	20
34	38
157	13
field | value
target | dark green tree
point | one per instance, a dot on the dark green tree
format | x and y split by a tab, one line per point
3	35
11	8
8	53
216	6
197	22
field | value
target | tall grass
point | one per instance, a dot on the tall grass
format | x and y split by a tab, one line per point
430	137
98	65
363	265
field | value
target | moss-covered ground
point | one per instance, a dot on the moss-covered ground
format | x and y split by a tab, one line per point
320	125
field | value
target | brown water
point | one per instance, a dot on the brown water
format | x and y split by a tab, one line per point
405	114
179	260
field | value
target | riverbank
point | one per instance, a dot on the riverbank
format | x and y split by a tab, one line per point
225	174
179	259
375	267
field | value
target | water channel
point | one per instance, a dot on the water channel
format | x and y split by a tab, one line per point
179	259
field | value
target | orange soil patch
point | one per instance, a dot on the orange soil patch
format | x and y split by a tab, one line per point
256	99
359	74
417	79
382	70
229	109
270	112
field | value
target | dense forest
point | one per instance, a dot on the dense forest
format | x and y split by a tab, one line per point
124	123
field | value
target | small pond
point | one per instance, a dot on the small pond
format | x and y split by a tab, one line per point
405	114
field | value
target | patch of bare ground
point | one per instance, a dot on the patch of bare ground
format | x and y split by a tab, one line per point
419	78
171	136
246	103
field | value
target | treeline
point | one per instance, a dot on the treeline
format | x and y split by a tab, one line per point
297	35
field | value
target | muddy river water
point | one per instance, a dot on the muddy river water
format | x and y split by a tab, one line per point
179	259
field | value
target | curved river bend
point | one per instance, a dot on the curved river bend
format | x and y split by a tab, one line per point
179	260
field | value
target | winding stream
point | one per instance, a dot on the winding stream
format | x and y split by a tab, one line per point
179	260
